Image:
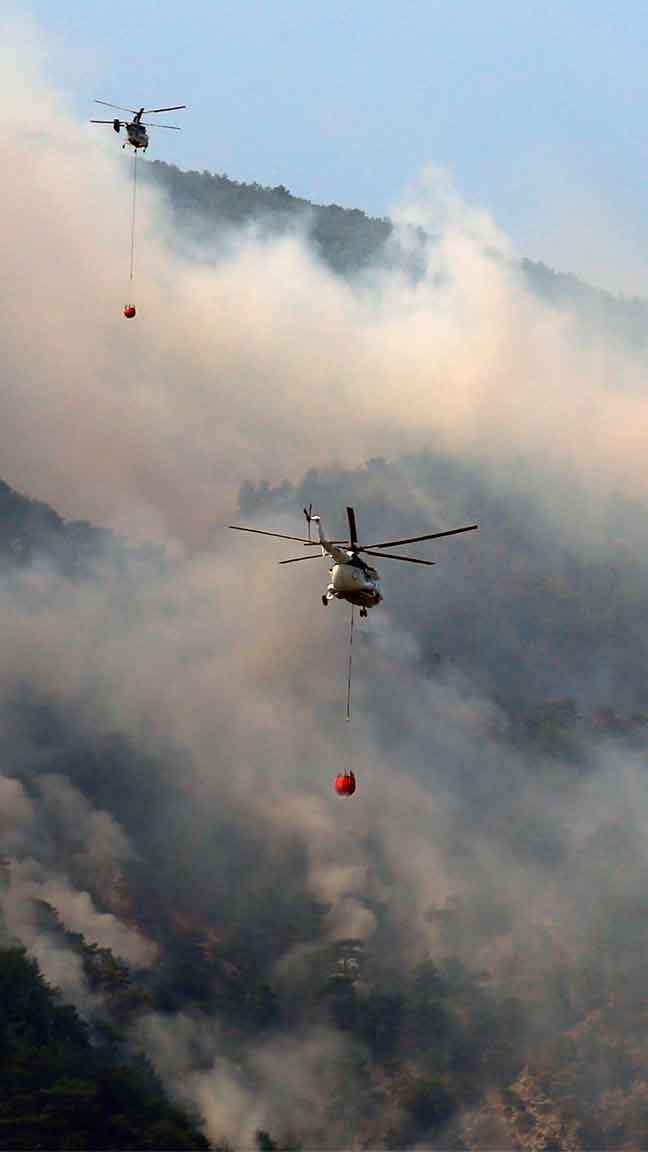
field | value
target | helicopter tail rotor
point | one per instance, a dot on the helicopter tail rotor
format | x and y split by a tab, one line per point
308	513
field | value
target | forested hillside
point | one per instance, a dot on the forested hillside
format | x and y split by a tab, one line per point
202	943
206	206
507	1039
65	1085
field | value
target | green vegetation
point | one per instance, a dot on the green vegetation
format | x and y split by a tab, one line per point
206	206
60	1090
543	1050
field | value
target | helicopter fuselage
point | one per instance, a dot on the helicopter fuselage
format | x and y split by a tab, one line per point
137	135
350	577
355	581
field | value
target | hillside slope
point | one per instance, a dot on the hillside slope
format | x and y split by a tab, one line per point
206	205
62	1088
534	1046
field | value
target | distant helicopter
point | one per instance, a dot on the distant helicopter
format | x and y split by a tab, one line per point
351	578
136	133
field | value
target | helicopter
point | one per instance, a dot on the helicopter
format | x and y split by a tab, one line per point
136	133
350	577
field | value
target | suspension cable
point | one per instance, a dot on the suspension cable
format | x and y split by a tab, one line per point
132	238
348	706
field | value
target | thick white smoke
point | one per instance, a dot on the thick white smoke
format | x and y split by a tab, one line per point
218	671
268	364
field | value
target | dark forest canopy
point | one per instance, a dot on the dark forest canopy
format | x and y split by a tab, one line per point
439	1052
462	964
62	1087
205	205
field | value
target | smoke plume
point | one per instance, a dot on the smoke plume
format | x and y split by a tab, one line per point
172	728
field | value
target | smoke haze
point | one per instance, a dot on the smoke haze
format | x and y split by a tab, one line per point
207	388
172	729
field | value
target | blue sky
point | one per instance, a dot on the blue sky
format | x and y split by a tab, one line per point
537	109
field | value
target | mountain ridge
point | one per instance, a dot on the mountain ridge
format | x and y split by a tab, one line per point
350	241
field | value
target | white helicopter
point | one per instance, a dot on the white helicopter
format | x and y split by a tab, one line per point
351	578
136	133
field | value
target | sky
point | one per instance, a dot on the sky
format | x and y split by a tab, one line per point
537	110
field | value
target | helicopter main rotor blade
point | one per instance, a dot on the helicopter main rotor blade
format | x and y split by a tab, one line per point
122	123
279	535
172	108
296	559
118	106
414	539
145	124
394	556
353	528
